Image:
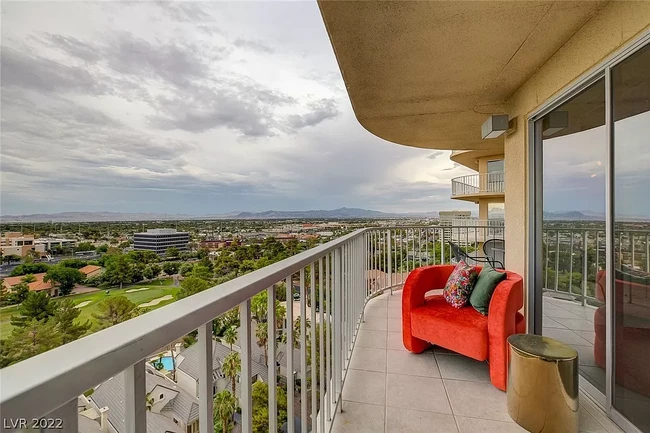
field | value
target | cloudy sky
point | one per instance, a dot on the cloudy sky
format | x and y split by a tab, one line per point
192	108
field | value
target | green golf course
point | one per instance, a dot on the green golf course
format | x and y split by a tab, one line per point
152	291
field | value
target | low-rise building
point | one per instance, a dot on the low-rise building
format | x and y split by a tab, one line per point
35	286
18	244
91	270
48	244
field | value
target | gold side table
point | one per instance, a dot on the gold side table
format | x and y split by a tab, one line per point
543	384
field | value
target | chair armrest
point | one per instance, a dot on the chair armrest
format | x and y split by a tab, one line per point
422	280
507	300
418	283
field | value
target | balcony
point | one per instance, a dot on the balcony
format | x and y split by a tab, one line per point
354	373
472	187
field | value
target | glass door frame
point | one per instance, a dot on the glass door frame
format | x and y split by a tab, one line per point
535	217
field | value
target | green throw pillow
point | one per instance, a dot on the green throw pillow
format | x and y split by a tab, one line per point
487	281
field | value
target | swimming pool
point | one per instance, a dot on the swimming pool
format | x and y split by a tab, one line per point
167	362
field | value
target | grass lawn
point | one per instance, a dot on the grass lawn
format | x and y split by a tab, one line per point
155	290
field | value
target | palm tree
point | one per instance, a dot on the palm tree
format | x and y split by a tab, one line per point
296	332
262	335
224	408
231	368
230	336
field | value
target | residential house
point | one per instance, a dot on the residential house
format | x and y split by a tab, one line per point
169	407
91	270
36	286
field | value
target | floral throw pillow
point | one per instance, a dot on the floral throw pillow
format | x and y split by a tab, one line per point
460	284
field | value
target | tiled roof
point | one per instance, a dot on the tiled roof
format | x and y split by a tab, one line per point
111	394
35	286
89	269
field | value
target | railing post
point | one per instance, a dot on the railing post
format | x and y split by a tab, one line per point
328	337
337	323
303	353
584	268
442	247
314	382
571	265
289	354
246	397
66	419
390	262
647	254
557	257
321	348
272	369
206	382
135	398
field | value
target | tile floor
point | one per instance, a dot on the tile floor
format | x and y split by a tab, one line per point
388	389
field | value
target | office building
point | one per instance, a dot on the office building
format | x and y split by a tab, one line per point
158	240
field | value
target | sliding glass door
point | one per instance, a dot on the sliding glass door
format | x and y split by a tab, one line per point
631	122
573	303
590	237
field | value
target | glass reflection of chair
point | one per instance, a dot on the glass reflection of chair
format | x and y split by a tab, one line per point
495	252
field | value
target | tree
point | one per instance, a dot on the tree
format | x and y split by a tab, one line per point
119	270
186	269
73	263
171	252
65	317
155	269
37	305
230	336
102	248
29	278
231	367
114	310
296	331
18	294
224	409
260	397
191	286
66	278
34	337
202	272
147	273
29	268
171	268
85	246
262	335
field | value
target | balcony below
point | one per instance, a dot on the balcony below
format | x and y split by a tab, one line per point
473	187
388	389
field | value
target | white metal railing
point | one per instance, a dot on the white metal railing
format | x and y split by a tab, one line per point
350	270
472	184
343	275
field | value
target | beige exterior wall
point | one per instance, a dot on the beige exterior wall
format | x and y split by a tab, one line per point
613	27
483	206
484	202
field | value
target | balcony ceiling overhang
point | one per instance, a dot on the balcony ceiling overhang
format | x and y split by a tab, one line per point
429	73
469	158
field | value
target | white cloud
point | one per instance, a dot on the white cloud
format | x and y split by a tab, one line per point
192	107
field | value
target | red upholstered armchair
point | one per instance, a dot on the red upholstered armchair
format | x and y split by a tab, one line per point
431	320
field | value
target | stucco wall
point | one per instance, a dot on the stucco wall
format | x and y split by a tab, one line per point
187	383
614	26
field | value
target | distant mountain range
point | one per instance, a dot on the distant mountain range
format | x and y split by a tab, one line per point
341	213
